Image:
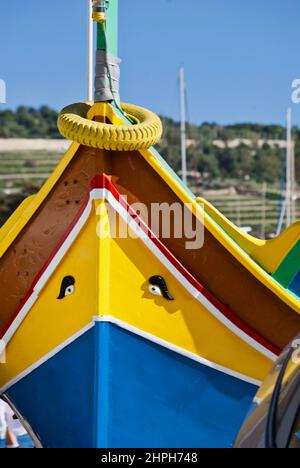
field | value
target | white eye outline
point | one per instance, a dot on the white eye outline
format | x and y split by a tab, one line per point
155	290
70	290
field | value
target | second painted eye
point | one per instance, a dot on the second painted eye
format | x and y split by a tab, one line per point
158	287
155	290
67	287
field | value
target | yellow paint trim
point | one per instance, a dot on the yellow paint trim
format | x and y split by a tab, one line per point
100	108
103	234
104	110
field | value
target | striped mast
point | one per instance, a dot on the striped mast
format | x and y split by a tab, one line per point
182	90
107	66
289	168
293	181
90	46
287	211
110	43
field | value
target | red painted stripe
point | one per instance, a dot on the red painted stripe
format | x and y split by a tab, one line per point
102	182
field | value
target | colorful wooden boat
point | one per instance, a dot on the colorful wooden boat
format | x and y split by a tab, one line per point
135	340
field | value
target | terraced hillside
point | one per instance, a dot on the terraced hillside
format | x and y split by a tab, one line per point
260	210
25	165
23	172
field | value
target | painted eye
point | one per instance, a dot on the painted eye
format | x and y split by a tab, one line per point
69	290
67	287
158	287
155	290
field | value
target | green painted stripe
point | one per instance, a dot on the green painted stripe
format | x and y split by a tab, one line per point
289	267
112	15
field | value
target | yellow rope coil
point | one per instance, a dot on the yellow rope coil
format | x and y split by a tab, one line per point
146	132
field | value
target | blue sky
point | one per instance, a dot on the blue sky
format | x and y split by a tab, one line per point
240	55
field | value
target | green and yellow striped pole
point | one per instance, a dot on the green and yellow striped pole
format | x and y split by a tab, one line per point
107	75
111	20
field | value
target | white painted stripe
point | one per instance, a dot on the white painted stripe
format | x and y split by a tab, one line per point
100	194
174	348
136	331
47	356
257	401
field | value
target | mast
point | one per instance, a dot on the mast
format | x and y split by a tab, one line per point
293	183
107	70
90	75
182	89
263	220
289	168
110	43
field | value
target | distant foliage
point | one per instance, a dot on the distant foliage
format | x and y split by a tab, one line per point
27	122
247	162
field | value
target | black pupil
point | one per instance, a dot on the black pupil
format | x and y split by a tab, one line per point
66	286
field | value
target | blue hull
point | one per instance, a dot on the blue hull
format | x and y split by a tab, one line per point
111	388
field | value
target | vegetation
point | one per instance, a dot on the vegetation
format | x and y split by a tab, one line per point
27	122
254	162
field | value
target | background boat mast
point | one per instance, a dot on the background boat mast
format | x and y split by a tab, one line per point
182	90
90	41
289	169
